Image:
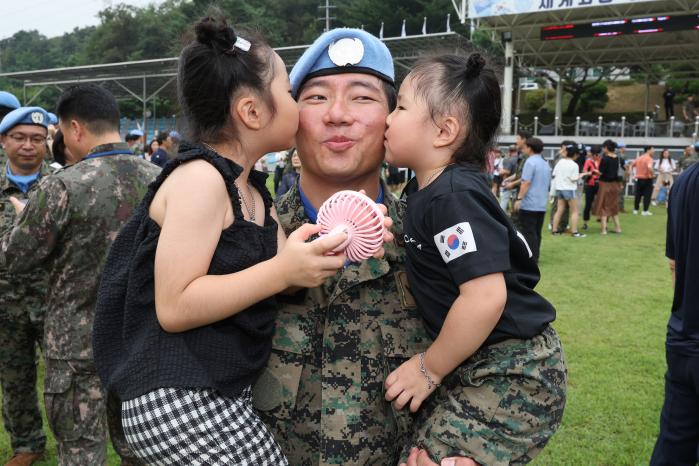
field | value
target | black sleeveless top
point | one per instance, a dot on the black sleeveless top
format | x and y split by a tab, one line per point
133	354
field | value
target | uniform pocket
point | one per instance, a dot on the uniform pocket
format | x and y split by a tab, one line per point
75	401
277	387
60	400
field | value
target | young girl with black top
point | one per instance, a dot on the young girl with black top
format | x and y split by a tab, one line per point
185	319
492	385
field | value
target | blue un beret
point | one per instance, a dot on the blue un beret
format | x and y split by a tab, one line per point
24	116
8	100
53	119
135	132
343	50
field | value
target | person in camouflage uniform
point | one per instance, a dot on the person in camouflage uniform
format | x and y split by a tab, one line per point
23	135
322	390
690	156
8	102
67	227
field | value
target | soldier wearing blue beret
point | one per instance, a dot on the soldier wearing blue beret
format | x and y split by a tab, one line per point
322	391
8	102
23	135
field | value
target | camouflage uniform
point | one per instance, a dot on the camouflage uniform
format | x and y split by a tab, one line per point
21	329
686	161
69	224
500	407
322	392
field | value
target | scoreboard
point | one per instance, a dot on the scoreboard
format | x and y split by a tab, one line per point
618	27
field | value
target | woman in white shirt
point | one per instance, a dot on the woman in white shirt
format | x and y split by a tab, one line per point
565	183
664	167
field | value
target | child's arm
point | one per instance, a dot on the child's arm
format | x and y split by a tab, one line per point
471	318
186	296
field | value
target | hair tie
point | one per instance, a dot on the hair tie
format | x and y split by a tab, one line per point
242	44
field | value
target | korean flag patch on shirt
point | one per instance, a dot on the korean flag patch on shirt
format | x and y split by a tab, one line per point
455	241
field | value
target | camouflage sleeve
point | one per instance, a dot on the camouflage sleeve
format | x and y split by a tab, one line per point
33	236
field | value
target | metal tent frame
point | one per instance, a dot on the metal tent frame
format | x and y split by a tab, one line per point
521	37
145	79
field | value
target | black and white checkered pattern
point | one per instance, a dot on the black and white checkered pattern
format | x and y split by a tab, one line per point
198	427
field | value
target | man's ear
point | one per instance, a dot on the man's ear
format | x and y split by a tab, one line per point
77	130
449	128
247	110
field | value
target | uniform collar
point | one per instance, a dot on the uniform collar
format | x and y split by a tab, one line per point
312	212
112	148
7	185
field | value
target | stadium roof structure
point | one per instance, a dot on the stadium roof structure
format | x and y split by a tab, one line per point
643	47
145	79
642	50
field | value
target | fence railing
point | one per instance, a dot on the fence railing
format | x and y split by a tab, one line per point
645	128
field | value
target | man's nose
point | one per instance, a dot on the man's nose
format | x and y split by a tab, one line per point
339	113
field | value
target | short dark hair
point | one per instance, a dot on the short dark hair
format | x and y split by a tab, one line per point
596	149
647	148
609	145
162	136
132	137
524	134
212	70
462	87
90	104
535	144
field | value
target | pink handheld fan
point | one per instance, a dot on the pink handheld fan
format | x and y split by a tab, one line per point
358	216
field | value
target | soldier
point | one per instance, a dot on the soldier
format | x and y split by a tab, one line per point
23	134
8	102
67	227
690	156
334	345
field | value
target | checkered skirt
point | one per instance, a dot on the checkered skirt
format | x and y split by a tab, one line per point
198	427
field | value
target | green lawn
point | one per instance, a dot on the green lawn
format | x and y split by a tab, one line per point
613	295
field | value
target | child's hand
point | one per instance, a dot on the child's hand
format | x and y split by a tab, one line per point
307	264
408	385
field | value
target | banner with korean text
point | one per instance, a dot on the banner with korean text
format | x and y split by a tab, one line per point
483	8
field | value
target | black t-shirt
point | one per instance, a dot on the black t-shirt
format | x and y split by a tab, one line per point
609	169
683	246
455	231
669	96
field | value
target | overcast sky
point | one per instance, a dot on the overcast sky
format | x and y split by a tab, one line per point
54	17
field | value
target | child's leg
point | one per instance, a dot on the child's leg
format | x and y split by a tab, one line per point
500	407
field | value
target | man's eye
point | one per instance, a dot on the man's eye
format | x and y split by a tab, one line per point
400	107
364	98
314	97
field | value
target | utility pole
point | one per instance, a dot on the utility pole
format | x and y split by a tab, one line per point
327	17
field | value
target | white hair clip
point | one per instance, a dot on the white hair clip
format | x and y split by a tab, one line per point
242	44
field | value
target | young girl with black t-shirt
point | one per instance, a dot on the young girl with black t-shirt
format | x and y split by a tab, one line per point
492	385
184	320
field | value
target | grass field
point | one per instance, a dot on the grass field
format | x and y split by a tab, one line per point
613	295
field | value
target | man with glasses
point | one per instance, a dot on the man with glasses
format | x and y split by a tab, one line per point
23	134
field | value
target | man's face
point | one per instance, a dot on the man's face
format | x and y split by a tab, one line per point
519	142
342	119
26	147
